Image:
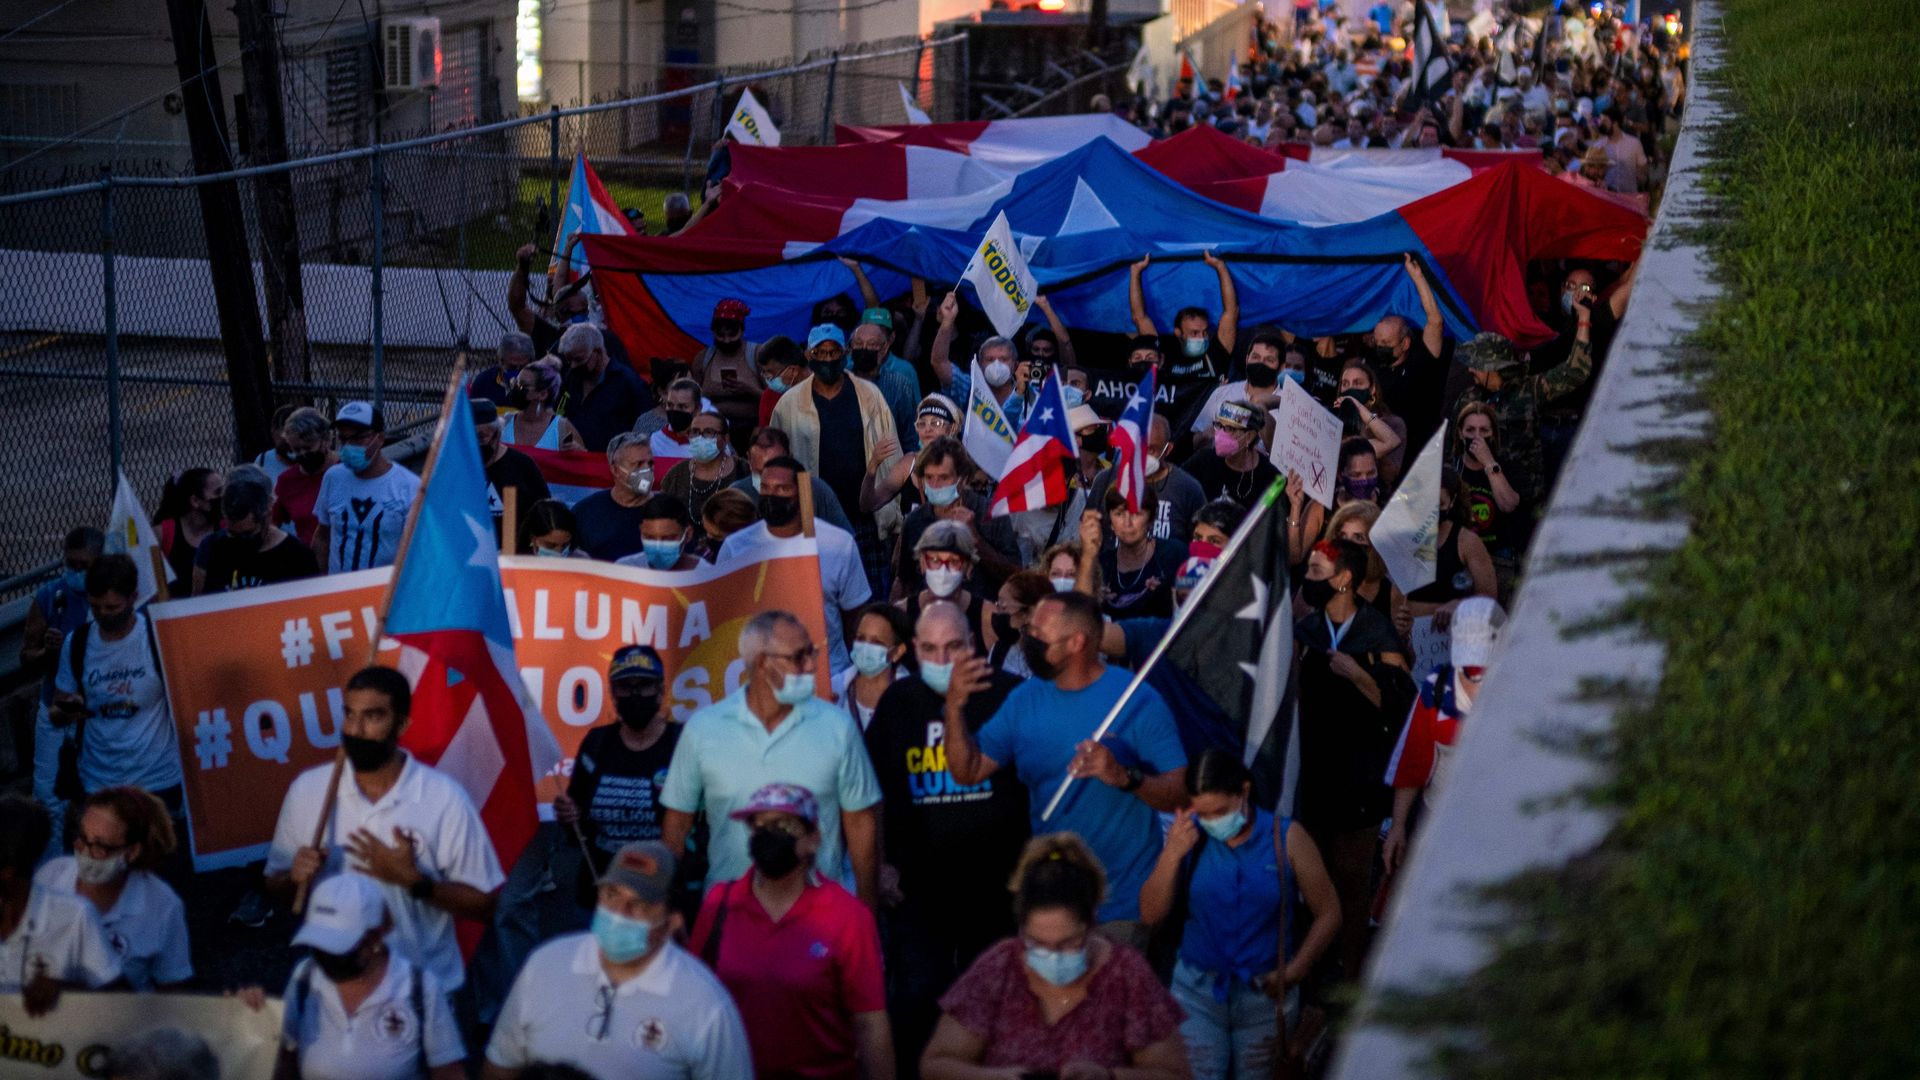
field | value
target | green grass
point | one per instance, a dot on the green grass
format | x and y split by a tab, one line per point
1757	910
491	240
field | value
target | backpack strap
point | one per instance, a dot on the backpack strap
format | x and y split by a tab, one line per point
418	996
77	656
302	993
710	951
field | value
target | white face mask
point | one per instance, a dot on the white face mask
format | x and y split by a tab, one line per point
1153	464
944	581
998	373
91	871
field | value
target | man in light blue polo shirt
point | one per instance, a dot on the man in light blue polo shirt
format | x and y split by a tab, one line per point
1131	775
774	730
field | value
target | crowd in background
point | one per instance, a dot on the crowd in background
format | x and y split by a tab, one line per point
785	884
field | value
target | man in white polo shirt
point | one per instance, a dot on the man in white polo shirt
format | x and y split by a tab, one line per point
773	730
406	825
622	1000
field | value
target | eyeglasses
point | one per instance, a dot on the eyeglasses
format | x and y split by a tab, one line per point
1579	287
712	432
798	658
785	823
98	849
600	1024
943	561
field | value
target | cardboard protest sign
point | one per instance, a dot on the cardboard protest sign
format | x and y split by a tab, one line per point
73	1041
1407	533
254	677
1431	647
998	272
1306	442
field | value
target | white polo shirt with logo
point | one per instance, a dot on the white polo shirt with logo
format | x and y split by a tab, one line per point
450	844
147	928
673	1021
383	1039
61	936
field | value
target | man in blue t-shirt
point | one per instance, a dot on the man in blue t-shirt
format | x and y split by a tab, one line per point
1042	732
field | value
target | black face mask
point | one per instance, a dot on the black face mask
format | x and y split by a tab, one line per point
865	360
779	510
341	967
1095	441
1260	376
1315	594
679	420
1383	354
828	371
637	710
116	624
775	852
246	541
312	461
1002	626
517	397
1035	652
368	755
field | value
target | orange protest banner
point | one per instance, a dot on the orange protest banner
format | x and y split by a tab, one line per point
254	677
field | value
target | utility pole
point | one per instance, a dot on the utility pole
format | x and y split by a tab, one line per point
248	382
273	192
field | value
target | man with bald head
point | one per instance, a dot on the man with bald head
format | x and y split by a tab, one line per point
1412	376
949	848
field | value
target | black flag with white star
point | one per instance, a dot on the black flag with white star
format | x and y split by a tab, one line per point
1234	640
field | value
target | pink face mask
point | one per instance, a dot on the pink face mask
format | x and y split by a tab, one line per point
1225	443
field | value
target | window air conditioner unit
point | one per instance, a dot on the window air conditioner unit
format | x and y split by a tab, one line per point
412	53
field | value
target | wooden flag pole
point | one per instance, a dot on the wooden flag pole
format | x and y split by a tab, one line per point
386	601
805	491
160	590
509	518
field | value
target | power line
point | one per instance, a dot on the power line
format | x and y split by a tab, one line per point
64	4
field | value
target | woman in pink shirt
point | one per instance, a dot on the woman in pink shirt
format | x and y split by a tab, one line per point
1058	999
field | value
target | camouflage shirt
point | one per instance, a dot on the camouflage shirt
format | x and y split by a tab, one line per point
1517	406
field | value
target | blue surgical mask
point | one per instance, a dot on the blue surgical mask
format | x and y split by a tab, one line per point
703	448
943	496
1074	395
777	384
937	676
1299	377
796	688
661	554
355	458
869	657
621	939
553	553
1227	826
1194	346
1566	302
756	483
74	580
1060	967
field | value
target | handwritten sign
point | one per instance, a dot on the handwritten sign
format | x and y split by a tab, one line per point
1306	442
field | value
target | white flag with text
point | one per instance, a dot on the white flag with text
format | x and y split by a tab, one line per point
1000	278
751	124
988	436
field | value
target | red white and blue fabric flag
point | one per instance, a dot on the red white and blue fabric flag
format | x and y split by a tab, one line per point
472	716
571	475
1234	85
1036	473
1130	442
588	211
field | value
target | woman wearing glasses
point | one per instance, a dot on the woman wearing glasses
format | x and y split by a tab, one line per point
123	836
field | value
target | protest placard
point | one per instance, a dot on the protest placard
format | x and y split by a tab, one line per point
1306	442
74	1041
254	677
1431	647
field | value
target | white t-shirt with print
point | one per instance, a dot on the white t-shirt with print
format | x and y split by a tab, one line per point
61	935
673	1021
129	736
382	1040
364	518
147	928
449	841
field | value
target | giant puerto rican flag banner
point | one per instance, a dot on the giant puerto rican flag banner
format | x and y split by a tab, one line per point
571	475
1078	218
254	676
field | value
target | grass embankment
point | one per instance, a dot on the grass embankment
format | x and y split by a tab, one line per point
1757	910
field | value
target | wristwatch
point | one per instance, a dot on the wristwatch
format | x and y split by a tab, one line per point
421	890
1134	779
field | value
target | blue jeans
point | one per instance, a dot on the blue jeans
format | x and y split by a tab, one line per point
47	741
1225	1040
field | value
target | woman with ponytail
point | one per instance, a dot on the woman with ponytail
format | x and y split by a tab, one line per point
1057	999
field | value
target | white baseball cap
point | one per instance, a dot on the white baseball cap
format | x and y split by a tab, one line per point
1476	627
340	912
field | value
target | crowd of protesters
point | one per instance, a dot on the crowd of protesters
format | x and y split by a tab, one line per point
784	884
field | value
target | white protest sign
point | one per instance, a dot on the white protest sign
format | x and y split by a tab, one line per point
1306	442
987	435
73	1041
1431	647
999	275
1407	535
915	114
751	123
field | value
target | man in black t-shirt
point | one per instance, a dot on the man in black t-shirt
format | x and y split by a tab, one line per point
506	468
1412	373
949	848
613	795
1198	354
251	550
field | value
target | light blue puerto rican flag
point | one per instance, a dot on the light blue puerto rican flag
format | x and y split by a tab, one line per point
588	211
473	718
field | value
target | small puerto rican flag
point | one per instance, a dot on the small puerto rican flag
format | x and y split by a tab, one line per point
1036	473
1130	442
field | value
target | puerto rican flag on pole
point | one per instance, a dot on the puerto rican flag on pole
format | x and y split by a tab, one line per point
588	211
472	716
1130	442
1234	85
1036	473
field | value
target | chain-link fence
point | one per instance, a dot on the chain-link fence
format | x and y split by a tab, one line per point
149	318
